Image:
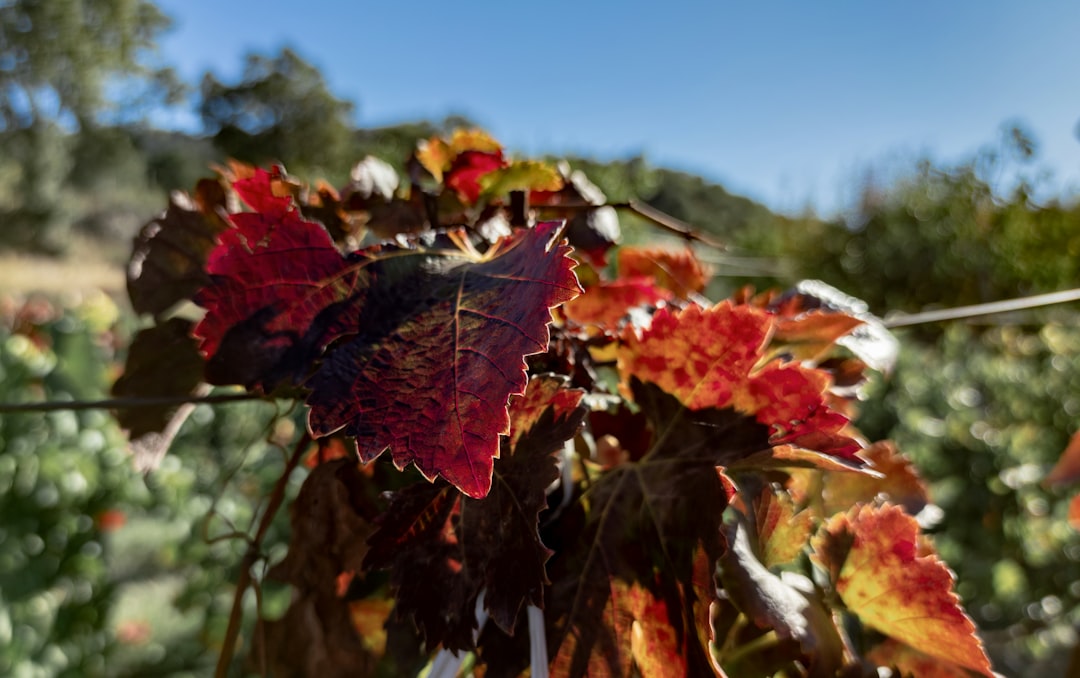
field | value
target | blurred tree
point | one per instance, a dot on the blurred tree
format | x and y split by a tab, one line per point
280	111
56	58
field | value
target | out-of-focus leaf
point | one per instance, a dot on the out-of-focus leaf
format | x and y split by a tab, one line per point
771	602
168	261
162	361
782	532
316	637
898	482
443	550
678	271
372	179
1067	468
910	662
429	380
468	169
521	175
606	303
331	521
873	557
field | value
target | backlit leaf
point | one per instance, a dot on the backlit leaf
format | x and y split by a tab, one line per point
606	303
712	358
521	175
676	270
873	555
911	662
279	288
431	381
782	532
442	549
643	517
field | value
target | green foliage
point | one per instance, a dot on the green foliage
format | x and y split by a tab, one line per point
279	111
984	415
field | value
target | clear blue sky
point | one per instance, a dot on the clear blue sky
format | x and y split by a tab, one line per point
786	102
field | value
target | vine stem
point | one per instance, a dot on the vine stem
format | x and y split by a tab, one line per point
125	403
254	553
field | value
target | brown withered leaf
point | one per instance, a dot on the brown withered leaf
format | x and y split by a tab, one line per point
168	258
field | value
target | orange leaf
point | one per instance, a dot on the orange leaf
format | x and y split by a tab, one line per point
712	358
703	357
809	336
899	483
885	576
607	303
1074	512
911	662
678	271
1067	468
782	532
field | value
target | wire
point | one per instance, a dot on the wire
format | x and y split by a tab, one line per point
894	320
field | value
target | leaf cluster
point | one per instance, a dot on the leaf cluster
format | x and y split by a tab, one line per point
616	475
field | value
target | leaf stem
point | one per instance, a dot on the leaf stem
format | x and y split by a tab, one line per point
763	642
277	496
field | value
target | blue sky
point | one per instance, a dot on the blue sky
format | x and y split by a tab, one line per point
787	102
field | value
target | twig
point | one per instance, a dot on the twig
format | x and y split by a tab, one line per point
124	403
252	556
649	213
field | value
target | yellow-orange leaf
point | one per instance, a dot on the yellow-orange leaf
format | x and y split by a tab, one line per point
911	662
782	532
886	577
675	270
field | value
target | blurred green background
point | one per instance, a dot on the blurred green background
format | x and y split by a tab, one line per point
105	571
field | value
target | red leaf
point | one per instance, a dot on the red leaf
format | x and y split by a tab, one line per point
713	358
274	275
467	169
433	387
443	550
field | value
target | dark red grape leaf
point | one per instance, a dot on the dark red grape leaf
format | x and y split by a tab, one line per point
642	518
279	292
443	549
168	259
772	602
429	378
